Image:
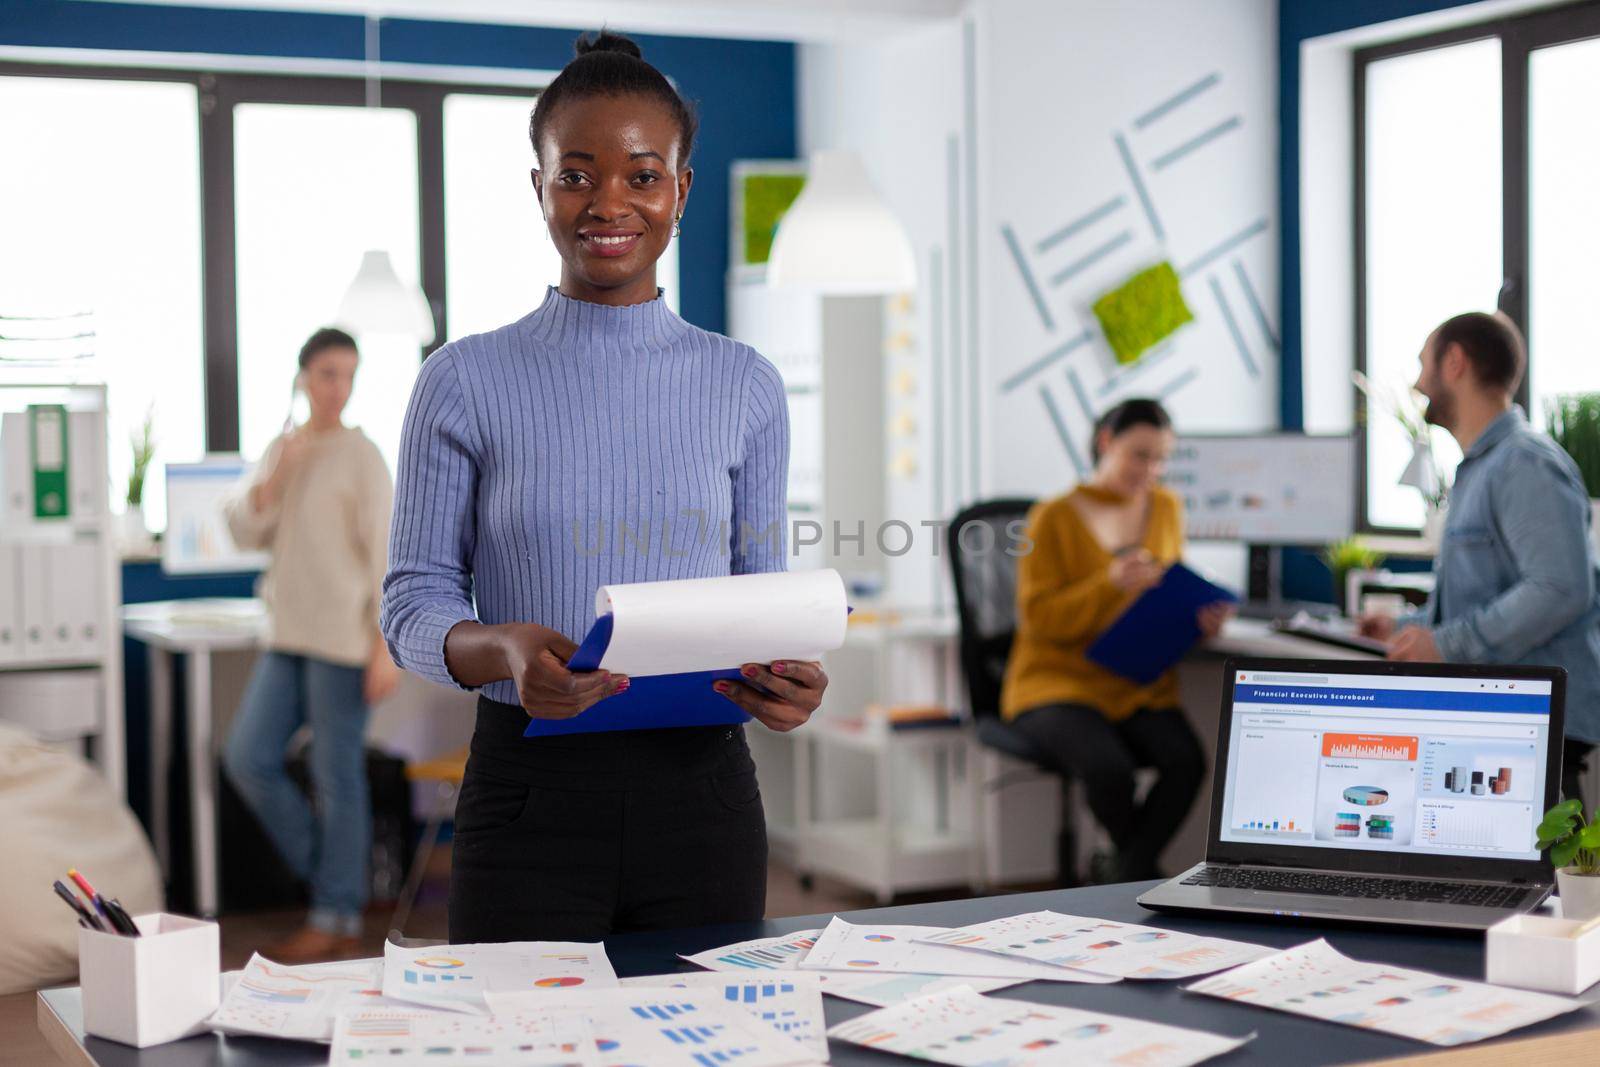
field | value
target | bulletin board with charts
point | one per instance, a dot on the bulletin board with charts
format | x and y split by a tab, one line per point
1271	489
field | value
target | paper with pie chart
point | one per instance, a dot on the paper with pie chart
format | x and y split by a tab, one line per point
790	1003
1316	980
418	1038
267	999
964	1028
665	1027
1124	950
457	977
846	947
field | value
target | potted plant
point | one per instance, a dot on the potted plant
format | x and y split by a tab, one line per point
1342	557
134	532
1574	422
1574	844
1407	407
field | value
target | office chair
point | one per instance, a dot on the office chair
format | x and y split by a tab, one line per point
986	608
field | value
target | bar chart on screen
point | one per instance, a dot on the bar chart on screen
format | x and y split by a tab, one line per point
1489	827
1274	782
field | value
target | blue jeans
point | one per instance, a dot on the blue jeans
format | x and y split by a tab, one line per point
327	849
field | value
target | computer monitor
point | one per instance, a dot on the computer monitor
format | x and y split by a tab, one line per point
1265	489
197	539
1406	768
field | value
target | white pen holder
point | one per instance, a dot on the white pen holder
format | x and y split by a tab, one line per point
150	989
1543	953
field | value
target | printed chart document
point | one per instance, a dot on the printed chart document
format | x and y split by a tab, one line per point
297	1003
882	990
905	949
668	1027
457	977
1316	980
418	1038
789	1003
1123	950
782	953
966	1029
674	638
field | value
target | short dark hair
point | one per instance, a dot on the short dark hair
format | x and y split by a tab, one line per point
1493	346
324	339
609	64
1136	411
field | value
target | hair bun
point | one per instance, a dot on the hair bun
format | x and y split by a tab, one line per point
606	41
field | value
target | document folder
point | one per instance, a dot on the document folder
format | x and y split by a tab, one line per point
1159	627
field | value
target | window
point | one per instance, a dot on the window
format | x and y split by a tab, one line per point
498	255
1476	151
314	187
107	220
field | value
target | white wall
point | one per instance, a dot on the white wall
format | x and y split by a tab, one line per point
1031	96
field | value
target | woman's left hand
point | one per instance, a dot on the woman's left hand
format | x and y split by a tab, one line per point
382	676
794	690
1213	617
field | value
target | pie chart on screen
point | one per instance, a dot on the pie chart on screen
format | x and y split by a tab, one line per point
558	983
1365	795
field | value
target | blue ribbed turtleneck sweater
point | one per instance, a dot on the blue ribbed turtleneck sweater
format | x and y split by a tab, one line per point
580	446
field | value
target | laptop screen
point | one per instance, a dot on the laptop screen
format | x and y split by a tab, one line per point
1392	763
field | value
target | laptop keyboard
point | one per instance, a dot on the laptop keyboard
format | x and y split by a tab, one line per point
1473	894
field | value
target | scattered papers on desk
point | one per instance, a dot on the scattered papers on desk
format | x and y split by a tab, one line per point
763	954
704	624
667	1027
966	1029
882	990
1123	950
297	1003
420	1038
789	1003
1316	980
847	947
456	977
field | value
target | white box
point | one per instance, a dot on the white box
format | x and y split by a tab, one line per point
148	990
1543	953
53	705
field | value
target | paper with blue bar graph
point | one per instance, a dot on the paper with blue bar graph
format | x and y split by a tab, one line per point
1158	628
789	1003
423	1038
1100	946
673	639
669	1027
458	977
782	953
882	948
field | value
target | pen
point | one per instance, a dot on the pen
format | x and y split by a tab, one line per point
88	890
86	917
120	916
114	915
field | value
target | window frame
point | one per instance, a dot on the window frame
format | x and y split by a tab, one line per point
1519	37
216	93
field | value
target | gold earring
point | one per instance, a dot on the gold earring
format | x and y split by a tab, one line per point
677	226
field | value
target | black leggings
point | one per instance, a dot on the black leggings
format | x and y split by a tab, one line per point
575	838
1103	755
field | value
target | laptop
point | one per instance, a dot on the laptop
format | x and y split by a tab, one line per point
1374	792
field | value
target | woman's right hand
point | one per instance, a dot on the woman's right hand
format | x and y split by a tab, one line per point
1135	571
290	450
536	660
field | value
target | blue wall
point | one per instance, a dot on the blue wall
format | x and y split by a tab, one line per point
1297	21
745	90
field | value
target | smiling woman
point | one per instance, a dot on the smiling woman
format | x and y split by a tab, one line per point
599	408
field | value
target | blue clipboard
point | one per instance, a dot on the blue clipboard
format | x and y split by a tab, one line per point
1158	628
652	702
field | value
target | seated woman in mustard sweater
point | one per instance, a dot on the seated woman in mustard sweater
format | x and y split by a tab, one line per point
1094	551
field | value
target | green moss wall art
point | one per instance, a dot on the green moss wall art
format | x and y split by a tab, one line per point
1142	312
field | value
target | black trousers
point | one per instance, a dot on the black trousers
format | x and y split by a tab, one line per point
575	838
1103	755
1574	765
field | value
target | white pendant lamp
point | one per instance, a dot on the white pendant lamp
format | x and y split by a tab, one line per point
377	301
839	237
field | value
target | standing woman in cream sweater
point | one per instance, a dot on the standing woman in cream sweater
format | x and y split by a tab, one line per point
319	503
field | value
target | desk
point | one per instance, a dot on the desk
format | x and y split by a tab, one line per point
1282	1039
197	628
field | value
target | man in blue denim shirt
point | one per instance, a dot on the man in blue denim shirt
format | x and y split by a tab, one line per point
1516	572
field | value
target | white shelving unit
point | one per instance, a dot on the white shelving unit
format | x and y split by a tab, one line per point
60	578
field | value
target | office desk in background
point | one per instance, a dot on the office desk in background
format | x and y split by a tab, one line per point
1281	1038
197	629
